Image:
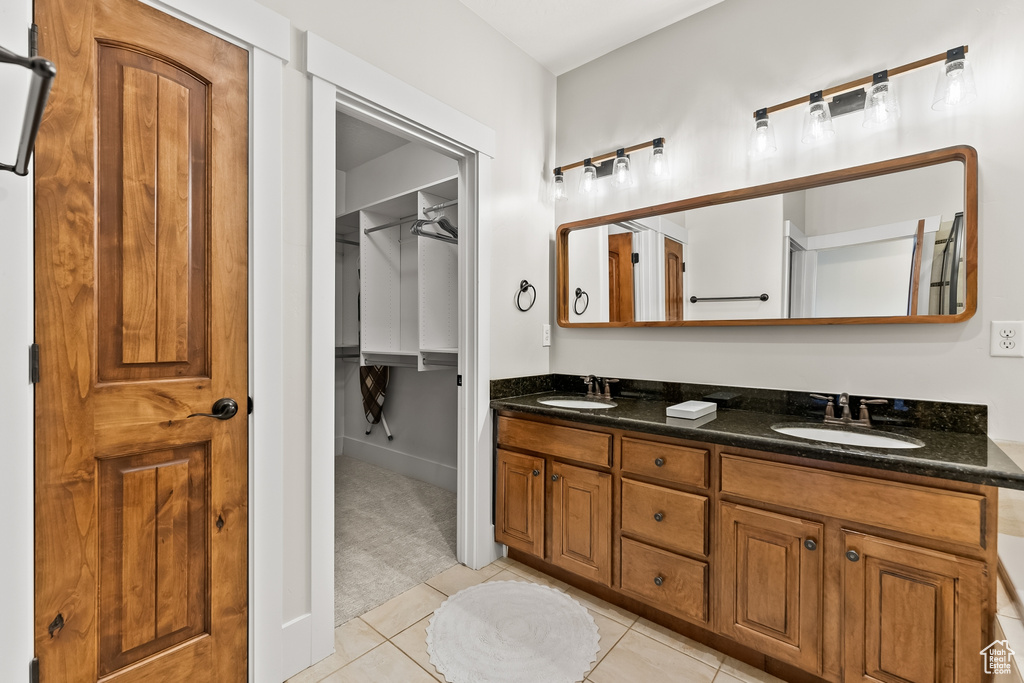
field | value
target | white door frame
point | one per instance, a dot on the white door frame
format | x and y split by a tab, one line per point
343	82
266	35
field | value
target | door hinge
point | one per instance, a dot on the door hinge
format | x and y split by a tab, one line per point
636	257
33	41
250	405
684	266
33	364
458	380
33	671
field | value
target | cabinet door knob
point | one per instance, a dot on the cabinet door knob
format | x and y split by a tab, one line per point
852	555
554	477
536	473
810	544
658	580
658	516
658	462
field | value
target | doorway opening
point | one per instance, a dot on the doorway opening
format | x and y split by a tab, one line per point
396	364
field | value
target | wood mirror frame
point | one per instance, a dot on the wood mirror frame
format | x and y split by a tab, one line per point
962	153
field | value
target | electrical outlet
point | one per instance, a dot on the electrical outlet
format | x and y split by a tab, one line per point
1007	338
545	339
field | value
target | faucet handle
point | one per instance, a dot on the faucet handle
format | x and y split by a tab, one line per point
830	399
830	409
874	402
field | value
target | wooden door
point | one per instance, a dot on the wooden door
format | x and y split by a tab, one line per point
620	278
519	518
582	522
771	584
141	318
910	614
673	280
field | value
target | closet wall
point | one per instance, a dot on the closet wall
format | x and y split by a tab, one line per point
397	300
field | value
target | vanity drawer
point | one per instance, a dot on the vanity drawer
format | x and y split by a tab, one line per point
682	589
929	512
581	445
677	463
672	519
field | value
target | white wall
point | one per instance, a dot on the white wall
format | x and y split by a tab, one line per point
445	50
16	484
745	54
588	270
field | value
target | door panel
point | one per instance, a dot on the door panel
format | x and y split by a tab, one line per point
520	502
673	280
912	615
582	522
141	317
620	277
772	584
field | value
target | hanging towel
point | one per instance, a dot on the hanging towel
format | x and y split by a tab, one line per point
373	382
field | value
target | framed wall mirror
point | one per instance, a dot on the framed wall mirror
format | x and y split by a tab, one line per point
890	242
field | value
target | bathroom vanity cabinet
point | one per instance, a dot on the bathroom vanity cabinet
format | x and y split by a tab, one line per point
811	570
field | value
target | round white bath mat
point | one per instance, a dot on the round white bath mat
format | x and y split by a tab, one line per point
510	632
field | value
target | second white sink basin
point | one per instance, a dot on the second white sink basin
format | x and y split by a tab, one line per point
579	403
847	437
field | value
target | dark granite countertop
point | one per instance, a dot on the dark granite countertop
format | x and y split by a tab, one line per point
946	455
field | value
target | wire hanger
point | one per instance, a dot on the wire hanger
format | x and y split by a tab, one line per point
43	73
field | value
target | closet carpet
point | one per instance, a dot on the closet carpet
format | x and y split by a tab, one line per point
392	533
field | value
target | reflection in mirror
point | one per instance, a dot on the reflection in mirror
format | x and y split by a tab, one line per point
887	246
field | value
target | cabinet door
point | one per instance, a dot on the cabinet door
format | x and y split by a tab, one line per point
771	584
519	509
911	614
582	522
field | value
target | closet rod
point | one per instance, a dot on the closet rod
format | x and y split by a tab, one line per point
403	219
442	205
341	240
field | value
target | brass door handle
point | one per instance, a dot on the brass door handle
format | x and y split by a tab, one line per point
223	409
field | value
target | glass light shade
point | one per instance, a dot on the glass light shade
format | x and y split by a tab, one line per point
818	123
762	139
588	178
880	105
559	192
658	166
955	85
622	176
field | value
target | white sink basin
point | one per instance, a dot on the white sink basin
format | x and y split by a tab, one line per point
579	403
847	437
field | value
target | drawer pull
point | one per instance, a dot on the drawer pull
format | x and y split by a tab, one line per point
658	516
852	555
810	544
658	580
658	462
536	473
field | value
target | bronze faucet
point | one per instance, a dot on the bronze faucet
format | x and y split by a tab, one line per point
863	419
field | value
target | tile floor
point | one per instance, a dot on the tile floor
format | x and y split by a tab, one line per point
388	644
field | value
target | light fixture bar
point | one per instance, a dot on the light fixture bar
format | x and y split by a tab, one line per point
597	159
836	90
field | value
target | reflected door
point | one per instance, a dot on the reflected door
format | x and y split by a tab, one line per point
620	278
141	317
673	280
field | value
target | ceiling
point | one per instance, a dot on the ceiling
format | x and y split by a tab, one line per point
358	142
565	34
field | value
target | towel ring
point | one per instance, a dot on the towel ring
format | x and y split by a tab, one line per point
576	304
524	286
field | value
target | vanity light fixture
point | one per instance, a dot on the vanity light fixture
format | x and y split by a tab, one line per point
818	125
762	138
880	103
622	177
589	177
621	168
956	80
560	193
877	100
657	167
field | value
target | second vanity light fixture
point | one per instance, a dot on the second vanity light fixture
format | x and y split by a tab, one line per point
620	168
877	101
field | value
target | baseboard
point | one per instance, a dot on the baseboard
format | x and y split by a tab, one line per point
431	472
296	637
